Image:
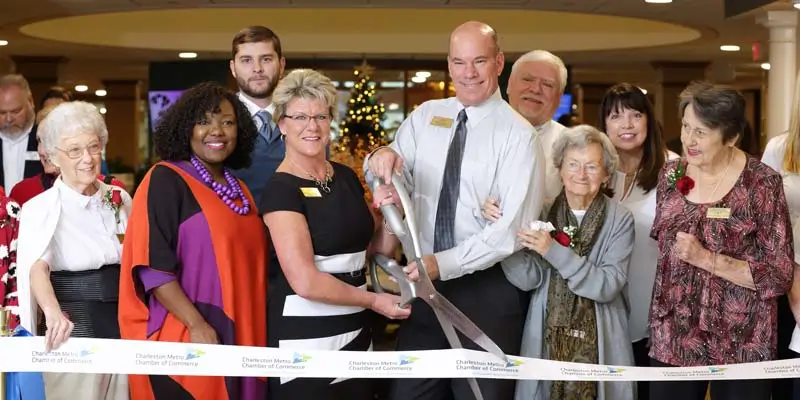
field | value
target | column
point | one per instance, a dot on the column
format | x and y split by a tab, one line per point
782	26
671	79
41	73
124	122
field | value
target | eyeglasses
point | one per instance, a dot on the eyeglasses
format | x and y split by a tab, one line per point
321	118
77	152
575	167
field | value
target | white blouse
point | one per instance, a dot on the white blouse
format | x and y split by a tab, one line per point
70	232
773	156
642	269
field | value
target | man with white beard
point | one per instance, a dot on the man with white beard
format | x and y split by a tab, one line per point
535	87
18	156
257	63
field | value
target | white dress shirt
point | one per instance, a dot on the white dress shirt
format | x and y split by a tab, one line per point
255	109
773	156
502	159
15	152
642	269
70	232
548	133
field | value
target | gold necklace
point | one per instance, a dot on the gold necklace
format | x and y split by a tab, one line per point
323	184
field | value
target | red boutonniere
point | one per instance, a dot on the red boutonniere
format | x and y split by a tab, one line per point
677	178
564	237
113	198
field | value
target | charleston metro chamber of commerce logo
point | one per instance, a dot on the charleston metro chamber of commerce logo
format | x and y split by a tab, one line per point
402	364
592	371
510	368
693	372
189	358
296	362
83	356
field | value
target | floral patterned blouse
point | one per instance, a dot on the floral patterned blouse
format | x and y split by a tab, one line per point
700	319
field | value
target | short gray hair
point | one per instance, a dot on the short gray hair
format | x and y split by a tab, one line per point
70	119
303	84
548	57
580	137
18	81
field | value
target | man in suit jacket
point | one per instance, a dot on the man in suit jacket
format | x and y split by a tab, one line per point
18	155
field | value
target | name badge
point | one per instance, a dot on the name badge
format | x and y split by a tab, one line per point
311	192
442	122
718	213
32	156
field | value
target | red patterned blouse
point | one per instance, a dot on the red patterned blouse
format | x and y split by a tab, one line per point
699	319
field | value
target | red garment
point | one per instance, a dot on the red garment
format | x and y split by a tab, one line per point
699	319
9	224
30	187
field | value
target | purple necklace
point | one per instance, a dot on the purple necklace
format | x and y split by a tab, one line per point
228	193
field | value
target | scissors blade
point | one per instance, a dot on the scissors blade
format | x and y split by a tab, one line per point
457	319
455	342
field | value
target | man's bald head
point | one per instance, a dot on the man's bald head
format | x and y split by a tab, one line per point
475	62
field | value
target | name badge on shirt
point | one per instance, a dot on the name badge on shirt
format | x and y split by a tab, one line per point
442	122
311	192
32	156
718	213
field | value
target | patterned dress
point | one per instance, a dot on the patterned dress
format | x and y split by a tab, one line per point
700	319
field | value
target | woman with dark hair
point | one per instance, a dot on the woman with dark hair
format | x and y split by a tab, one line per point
194	260
55	96
627	117
725	251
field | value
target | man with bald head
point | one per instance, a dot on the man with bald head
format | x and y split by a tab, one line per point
535	87
491	151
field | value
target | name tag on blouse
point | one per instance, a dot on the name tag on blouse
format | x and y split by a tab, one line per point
718	213
442	122
310	192
32	156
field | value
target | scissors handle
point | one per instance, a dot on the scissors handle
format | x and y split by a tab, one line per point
408	289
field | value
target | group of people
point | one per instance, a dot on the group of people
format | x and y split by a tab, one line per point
582	244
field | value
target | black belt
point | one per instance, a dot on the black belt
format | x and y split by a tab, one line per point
100	284
354	278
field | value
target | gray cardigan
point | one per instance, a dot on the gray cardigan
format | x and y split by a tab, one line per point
601	277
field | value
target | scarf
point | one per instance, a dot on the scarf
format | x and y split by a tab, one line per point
571	322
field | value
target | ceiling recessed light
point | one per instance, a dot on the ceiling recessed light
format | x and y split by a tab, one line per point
644	91
3	42
100	92
187	55
658	1
417	79
729	47
103	110
423	74
765	66
81	88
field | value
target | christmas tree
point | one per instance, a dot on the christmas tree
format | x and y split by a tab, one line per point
360	132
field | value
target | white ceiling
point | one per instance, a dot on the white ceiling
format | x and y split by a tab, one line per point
305	22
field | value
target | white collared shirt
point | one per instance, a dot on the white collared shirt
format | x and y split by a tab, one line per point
548	133
255	109
15	149
497	162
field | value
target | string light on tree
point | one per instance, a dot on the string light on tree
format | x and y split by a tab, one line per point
361	131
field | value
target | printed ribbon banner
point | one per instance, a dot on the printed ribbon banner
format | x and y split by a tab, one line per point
26	354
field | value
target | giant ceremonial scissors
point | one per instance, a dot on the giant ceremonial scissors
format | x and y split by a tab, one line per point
450	317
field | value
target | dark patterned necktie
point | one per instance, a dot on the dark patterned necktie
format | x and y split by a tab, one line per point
444	229
265	129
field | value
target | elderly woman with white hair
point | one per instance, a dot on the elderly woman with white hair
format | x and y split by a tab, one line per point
69	249
577	272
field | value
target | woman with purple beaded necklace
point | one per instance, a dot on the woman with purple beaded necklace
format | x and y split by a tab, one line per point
194	262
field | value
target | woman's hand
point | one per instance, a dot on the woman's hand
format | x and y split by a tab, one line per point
689	249
59	327
384	195
491	210
538	241
388	305
203	333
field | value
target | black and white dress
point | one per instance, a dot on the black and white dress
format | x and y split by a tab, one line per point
341	227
